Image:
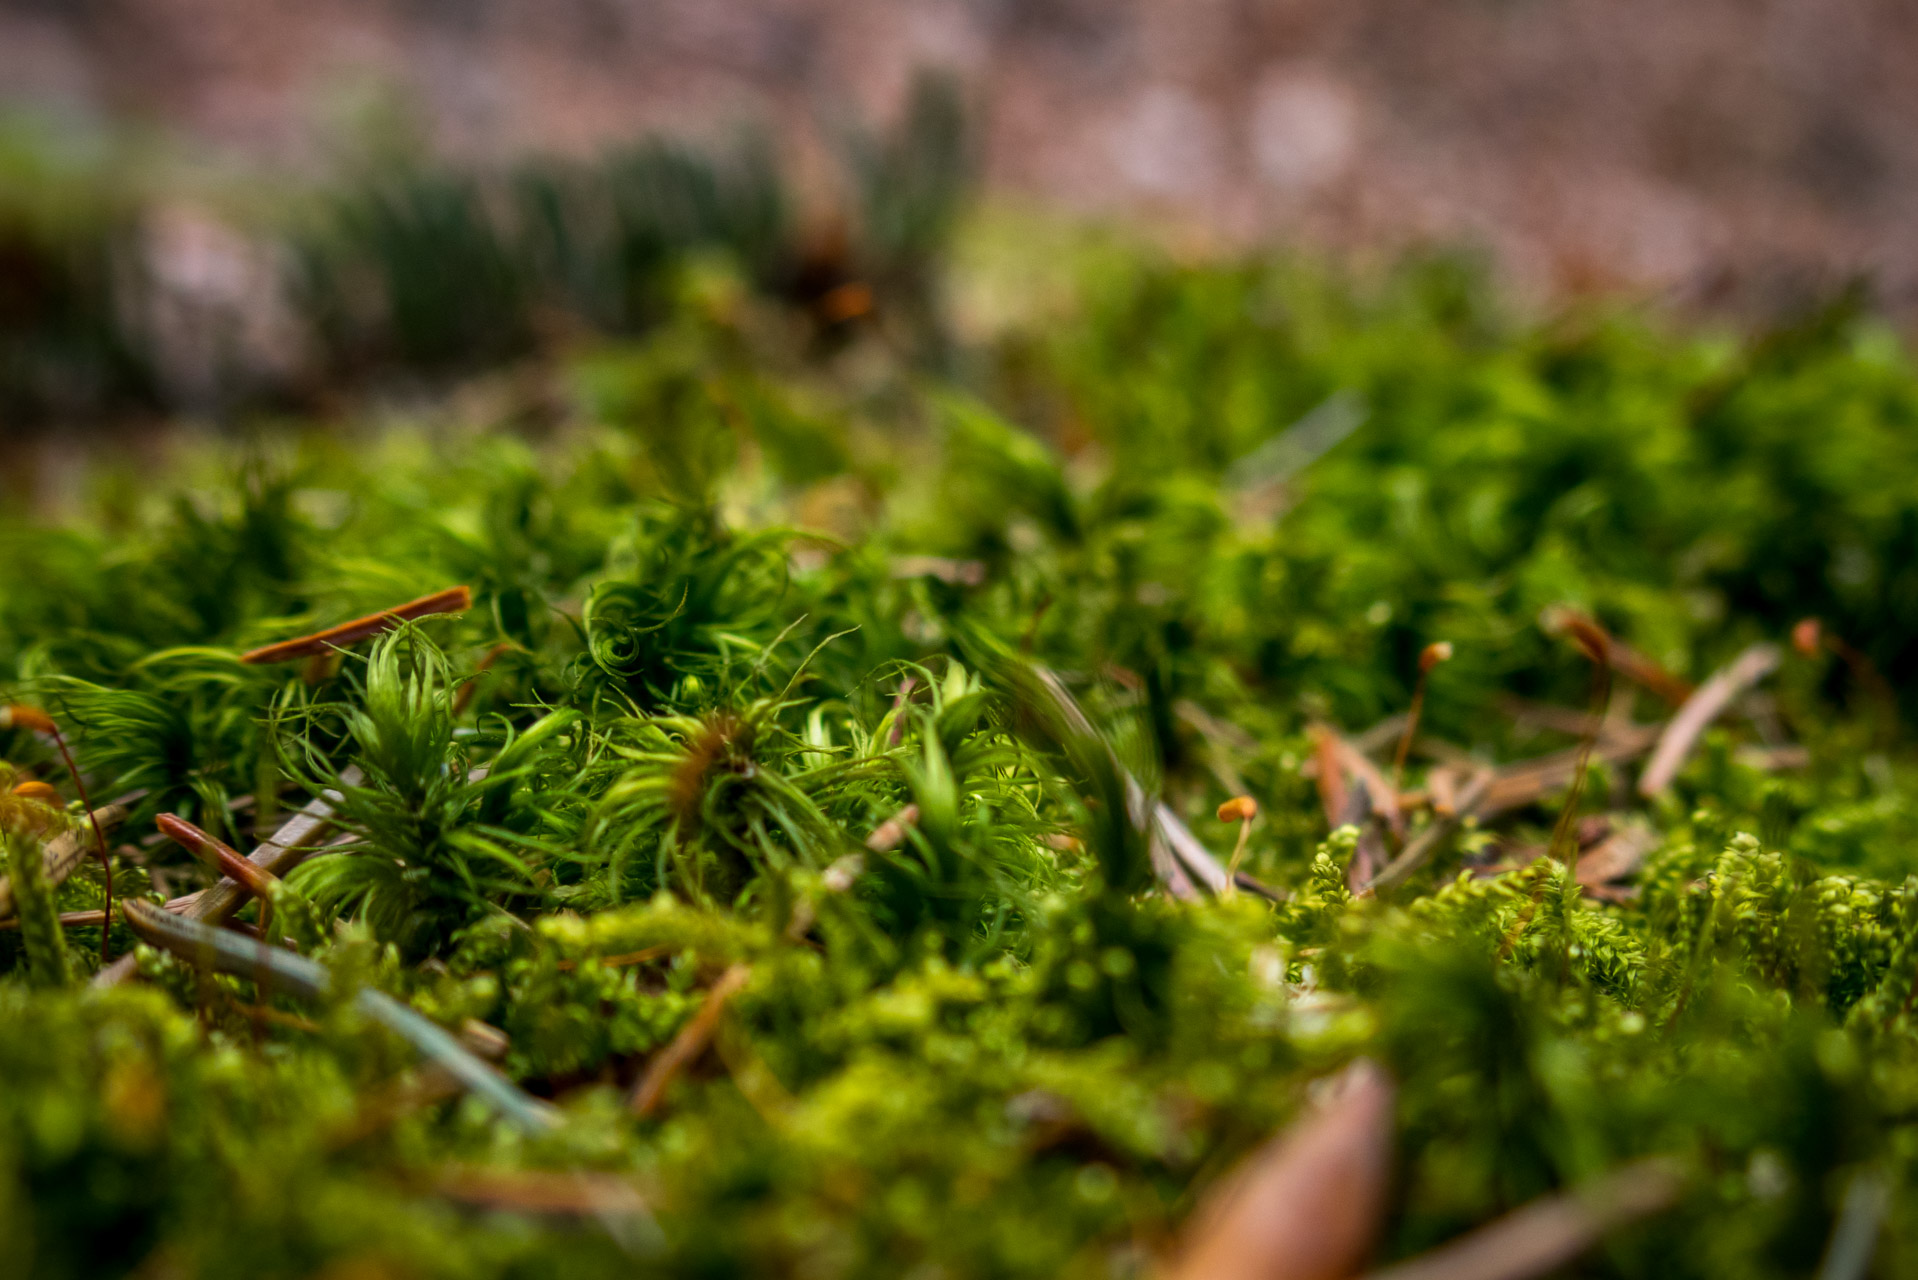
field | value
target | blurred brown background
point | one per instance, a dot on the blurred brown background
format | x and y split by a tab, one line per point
1735	153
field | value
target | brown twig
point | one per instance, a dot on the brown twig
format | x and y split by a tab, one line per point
1549	1232
277	856
62	855
1682	732
891	833
470	686
452	600
692	1040
1427	842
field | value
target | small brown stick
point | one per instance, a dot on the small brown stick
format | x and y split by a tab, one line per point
1308	1204
217	903
899	702
62	855
1544	1235
1810	635
1682	732
452	600
620	961
1426	843
692	1040
1433	654
1621	657
68	920
540	1190
38	721
1379	789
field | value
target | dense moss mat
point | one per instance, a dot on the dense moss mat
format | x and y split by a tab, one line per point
747	600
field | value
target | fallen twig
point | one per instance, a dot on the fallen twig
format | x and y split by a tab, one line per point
1682	732
63	854
1619	656
692	1040
1427	842
279	855
1549	1232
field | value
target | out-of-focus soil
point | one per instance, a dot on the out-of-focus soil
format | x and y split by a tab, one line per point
1737	153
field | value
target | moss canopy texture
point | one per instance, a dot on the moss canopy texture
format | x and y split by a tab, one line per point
825	700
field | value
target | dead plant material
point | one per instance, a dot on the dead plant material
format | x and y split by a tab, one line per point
452	600
891	833
63	854
222	855
470	686
1621	852
1308	1204
279	855
688	1045
38	721
539	1190
1417	853
1619	656
1331	772
1549	1232
1713	697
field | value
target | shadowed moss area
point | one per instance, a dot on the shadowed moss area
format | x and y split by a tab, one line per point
782	809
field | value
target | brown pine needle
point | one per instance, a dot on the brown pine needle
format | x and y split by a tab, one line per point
452	600
692	1040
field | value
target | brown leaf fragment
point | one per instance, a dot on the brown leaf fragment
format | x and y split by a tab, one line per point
1616	856
1307	1205
1547	1233
692	1040
452	600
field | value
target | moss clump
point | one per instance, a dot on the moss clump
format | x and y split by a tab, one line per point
821	762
